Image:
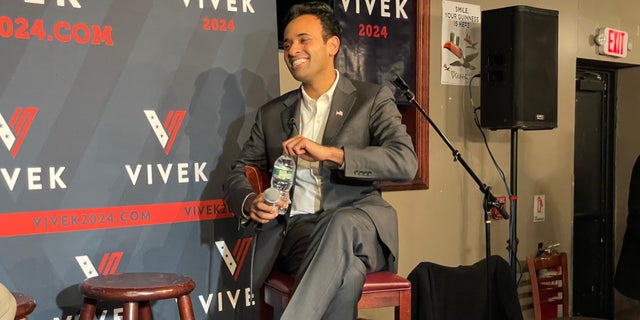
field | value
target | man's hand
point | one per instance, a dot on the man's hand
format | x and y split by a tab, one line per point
261	212
311	151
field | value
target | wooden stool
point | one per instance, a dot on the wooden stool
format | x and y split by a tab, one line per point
136	290
25	305
381	289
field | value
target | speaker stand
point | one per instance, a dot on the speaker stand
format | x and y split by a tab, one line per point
513	238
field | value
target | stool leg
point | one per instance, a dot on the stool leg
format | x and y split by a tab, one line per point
144	310
185	308
88	309
130	311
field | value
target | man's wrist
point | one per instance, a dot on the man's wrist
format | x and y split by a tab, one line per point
335	159
246	207
337	156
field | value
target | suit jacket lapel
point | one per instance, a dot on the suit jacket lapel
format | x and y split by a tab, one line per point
343	99
291	114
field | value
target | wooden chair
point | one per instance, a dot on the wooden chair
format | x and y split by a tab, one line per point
550	288
25	304
381	289
137	290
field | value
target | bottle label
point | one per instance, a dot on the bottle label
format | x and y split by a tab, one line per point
283	174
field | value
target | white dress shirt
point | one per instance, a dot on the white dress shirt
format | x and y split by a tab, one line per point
308	183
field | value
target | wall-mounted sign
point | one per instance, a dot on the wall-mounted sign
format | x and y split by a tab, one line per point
460	42
612	42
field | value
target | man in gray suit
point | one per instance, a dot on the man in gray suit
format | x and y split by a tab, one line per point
346	136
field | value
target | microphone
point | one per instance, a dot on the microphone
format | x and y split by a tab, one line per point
293	126
501	209
400	84
271	196
403	87
499	206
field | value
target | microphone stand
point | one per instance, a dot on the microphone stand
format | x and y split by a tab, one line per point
489	200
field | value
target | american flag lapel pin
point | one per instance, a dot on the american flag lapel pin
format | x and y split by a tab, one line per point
339	113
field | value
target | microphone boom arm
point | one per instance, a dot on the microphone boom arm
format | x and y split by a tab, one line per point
489	199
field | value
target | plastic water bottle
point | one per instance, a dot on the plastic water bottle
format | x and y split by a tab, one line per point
282	177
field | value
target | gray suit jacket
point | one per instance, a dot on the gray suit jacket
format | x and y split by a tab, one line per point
365	122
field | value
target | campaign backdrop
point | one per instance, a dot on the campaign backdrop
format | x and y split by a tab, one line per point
378	41
118	122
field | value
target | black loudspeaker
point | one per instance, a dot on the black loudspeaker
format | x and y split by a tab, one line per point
519	51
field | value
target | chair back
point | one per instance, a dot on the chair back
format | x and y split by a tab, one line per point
259	179
549	285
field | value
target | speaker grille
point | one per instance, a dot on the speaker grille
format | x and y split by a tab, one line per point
519	52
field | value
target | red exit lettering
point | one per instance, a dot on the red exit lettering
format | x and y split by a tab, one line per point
615	43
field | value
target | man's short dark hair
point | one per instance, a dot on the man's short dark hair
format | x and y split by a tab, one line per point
324	12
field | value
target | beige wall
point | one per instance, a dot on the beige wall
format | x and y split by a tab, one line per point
444	224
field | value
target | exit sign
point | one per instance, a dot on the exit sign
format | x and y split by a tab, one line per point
613	42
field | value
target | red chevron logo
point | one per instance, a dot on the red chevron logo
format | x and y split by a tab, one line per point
234	259
110	262
166	131
108	265
12	133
